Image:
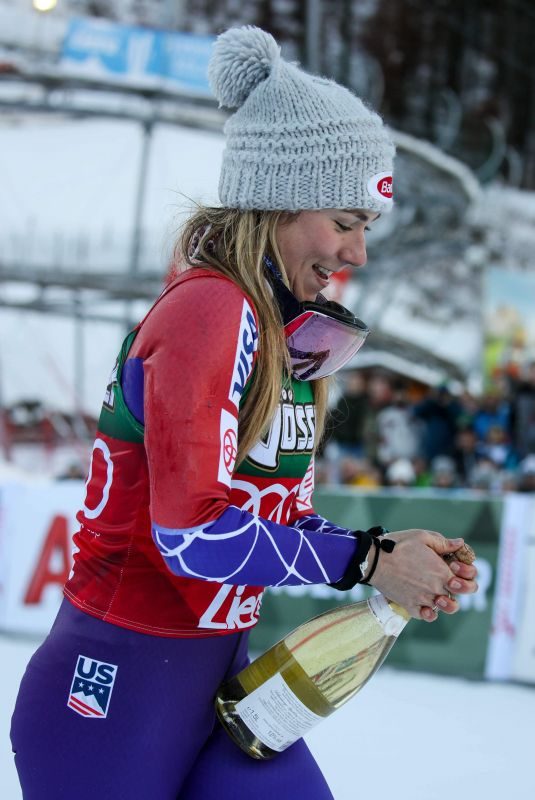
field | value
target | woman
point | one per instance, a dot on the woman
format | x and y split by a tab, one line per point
199	493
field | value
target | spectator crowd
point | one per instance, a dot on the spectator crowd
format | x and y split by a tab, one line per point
384	432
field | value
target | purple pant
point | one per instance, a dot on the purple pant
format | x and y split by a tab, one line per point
134	718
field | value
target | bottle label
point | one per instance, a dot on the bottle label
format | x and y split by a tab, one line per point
275	715
391	623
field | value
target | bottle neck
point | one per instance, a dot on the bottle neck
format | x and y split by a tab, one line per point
391	617
397	609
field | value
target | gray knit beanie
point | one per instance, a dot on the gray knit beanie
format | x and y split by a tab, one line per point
296	141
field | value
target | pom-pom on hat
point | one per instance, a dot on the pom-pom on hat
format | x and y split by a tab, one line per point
296	141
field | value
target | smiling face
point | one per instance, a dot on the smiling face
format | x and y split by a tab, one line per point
315	244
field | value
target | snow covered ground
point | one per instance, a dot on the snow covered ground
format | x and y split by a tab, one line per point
406	736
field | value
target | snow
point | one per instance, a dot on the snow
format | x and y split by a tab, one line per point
406	736
69	202
430	738
467	180
68	178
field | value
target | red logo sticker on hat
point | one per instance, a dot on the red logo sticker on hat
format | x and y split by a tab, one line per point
380	187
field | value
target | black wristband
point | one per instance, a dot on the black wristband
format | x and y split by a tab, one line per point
387	545
353	573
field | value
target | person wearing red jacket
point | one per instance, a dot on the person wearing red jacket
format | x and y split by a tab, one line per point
199	493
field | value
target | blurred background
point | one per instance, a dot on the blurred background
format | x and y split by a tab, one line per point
109	135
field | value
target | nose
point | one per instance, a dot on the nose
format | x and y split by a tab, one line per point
353	252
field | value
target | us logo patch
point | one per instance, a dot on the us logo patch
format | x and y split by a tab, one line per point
91	687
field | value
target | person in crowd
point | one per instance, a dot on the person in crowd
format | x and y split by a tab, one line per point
200	489
507	481
469	407
398	438
422	472
523	412
465	455
497	448
493	411
380	394
359	472
348	417
526	475
485	476
439	412
400	473
443	474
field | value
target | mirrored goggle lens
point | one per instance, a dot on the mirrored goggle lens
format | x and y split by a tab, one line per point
320	345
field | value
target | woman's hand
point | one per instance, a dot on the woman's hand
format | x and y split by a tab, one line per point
416	576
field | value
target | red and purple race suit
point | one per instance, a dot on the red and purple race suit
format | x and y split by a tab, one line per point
176	539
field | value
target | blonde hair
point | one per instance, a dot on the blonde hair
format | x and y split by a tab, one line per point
234	243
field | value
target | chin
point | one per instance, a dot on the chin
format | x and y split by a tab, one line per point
303	294
306	296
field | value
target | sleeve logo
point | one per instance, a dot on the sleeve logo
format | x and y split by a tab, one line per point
228	447
245	350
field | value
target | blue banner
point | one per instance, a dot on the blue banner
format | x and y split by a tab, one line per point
142	56
184	59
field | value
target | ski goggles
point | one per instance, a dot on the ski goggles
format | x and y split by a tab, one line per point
322	338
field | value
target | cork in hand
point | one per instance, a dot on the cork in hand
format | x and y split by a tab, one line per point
464	554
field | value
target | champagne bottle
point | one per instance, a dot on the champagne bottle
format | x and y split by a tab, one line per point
310	673
306	676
